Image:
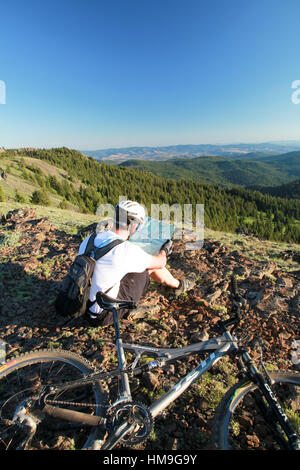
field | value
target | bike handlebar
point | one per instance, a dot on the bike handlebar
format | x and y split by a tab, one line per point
238	302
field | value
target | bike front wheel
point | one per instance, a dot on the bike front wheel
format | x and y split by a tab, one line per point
239	423
23	379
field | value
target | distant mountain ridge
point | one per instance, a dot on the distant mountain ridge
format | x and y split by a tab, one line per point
264	171
242	150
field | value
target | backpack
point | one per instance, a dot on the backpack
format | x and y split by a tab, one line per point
73	295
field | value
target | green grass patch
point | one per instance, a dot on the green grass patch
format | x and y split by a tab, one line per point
9	239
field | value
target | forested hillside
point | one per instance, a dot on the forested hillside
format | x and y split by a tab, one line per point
221	170
86	183
289	190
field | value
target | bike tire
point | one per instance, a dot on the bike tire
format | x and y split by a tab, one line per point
238	422
44	367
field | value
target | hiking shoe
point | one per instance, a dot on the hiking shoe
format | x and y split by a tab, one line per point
94	320
143	311
186	284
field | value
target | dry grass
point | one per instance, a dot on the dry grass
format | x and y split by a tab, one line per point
67	220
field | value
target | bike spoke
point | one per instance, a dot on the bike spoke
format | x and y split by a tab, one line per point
25	383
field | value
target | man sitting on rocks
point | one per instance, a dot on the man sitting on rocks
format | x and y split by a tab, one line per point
125	271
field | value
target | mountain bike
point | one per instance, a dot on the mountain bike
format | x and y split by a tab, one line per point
55	399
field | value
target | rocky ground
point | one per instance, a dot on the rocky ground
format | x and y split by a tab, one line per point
35	257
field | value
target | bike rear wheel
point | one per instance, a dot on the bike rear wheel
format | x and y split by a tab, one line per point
238	422
23	378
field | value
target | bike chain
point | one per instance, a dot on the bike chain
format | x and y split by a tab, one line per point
84	380
69	403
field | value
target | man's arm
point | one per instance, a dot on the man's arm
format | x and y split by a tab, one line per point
158	261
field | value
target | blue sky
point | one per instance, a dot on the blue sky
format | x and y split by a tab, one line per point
117	73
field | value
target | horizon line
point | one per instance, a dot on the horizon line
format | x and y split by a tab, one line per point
273	142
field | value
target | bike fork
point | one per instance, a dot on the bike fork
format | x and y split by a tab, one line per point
272	411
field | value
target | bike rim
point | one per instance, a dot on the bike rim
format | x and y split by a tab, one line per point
23	380
248	429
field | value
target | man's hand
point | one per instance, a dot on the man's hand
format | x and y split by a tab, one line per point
167	247
159	261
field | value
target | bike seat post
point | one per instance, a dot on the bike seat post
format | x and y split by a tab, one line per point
121	355
116	322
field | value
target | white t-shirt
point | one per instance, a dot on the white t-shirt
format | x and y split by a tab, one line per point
112	267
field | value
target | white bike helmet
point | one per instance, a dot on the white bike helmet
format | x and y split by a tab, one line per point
127	212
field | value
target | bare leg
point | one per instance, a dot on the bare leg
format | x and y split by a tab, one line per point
163	276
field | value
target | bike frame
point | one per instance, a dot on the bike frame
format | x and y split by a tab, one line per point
221	346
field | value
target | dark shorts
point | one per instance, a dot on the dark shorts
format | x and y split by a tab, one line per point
132	287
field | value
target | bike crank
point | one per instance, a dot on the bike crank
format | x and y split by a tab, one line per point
136	415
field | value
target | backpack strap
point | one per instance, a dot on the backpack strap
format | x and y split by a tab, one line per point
99	252
90	245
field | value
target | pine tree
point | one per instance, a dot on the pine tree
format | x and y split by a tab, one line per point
40	197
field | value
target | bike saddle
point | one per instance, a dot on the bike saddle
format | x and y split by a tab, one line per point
108	303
